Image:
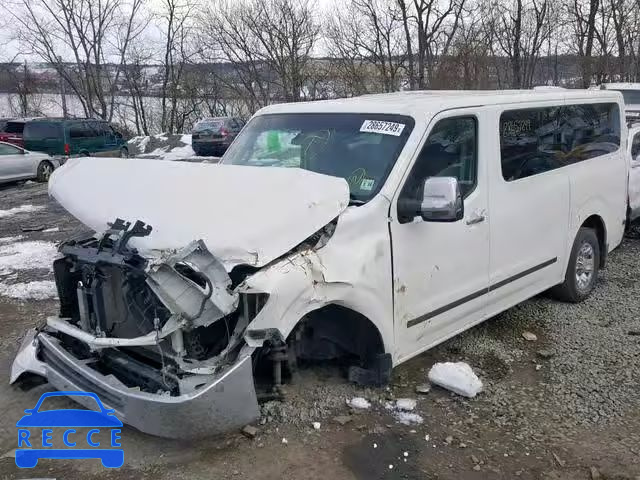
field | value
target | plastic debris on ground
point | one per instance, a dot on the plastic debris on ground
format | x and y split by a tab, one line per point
457	377
359	403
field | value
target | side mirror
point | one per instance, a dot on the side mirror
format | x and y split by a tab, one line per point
441	200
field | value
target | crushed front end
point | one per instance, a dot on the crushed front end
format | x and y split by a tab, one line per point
159	336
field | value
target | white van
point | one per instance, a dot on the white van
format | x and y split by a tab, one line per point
631	95
367	229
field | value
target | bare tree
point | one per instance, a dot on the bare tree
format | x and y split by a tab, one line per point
267	44
367	37
85	31
520	31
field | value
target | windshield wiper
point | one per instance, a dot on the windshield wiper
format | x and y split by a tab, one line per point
353	200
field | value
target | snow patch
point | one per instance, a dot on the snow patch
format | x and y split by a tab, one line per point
11	239
30	255
359	403
20	209
408	418
38	290
51	230
179	153
457	377
406	404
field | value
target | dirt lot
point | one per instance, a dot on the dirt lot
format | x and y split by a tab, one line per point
566	406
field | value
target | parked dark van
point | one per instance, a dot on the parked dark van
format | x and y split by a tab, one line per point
58	136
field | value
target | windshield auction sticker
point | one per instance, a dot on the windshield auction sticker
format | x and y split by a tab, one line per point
386	128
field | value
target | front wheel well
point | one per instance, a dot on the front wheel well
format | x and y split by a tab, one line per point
596	223
334	331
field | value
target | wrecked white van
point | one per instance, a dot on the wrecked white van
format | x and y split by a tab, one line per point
366	230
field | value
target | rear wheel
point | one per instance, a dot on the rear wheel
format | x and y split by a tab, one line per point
124	152
45	169
582	270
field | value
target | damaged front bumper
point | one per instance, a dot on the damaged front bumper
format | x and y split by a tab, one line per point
226	402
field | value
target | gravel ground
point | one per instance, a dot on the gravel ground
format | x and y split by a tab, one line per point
554	408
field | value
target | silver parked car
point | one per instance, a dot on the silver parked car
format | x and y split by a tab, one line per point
19	164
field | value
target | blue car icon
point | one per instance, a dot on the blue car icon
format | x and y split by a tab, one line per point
68	419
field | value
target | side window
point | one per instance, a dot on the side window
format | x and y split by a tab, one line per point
8	150
635	147
77	130
537	140
451	150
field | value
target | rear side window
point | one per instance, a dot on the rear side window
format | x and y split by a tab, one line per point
83	130
41	131
536	140
14	127
635	146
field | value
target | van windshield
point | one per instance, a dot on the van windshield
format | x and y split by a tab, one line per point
361	148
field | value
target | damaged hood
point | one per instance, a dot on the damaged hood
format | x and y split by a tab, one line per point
245	215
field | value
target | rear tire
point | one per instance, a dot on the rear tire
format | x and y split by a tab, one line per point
84	153
45	169
582	269
124	152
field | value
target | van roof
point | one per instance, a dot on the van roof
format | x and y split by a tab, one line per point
62	119
621	86
420	101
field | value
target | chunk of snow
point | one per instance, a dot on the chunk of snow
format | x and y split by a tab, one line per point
51	230
285	441
408	418
359	402
20	209
38	290
406	404
529	336
316	425
457	377
30	255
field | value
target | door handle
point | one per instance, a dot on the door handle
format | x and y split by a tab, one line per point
476	218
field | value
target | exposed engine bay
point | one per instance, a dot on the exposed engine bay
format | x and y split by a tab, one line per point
161	324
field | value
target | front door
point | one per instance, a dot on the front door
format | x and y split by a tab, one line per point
441	269
13	163
634	173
